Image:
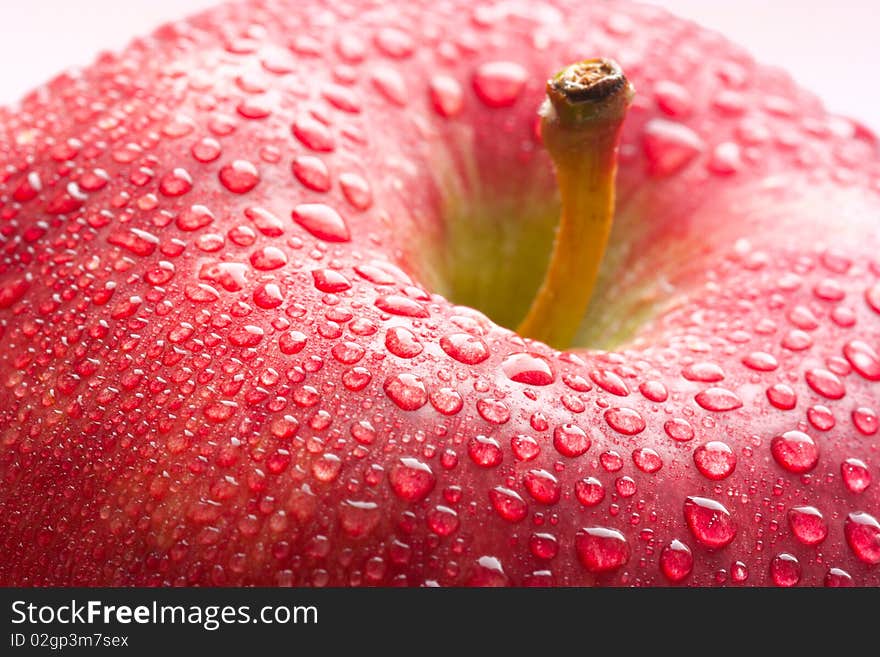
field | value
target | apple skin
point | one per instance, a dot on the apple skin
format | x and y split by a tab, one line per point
225	359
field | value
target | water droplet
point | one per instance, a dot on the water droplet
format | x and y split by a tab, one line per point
709	521
718	399
206	150
139	242
715	460
465	348
679	429
669	146
625	420
239	177
825	383
626	486
407	391
357	378
508	504
863	359
837	577
268	258
543	546
175	183
446	401
194	217
356	190
402	306
611	461
313	134
347	352
570	440
447	96
442	520
330	281
703	372
291	343
676	561
402	342
821	417
782	396
672	98
865	420
391	85
542	486
311	172
485	451
654	391
499	84
411	480
601	550
760	361
807	524
359	519
589	491
647	460
785	570
493	411
797	340
862	533
322	221
856	476
528	368
795	451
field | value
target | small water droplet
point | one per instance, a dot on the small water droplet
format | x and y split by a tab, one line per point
703	372
611	461
821	417
447	96
442	520
268	258
291	343
402	306
402	342
715	460
785	570
359	519
654	391
647	460
862	533
175	183
601	550
709	521
194	217
795	451
676	561
330	281
863	359
206	150
313	134
760	361
543	546
837	577
356	190
493	411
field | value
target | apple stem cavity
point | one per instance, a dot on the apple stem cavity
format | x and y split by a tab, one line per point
580	125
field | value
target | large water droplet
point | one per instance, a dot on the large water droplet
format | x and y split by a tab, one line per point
542	486
465	348
825	383
807	524
679	429
676	561
446	401
400	305
239	176
322	221
528	368
855	474
447	96
485	452
718	399
625	420
402	342
589	491
508	504
709	521
862	533
499	84
863	359
601	550
411	480
785	570
311	172
570	440
669	146
795	451
715	460
406	390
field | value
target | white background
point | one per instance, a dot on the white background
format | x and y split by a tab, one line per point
831	47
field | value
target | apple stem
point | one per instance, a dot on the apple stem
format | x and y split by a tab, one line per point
580	125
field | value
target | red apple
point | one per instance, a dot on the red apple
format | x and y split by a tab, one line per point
262	275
